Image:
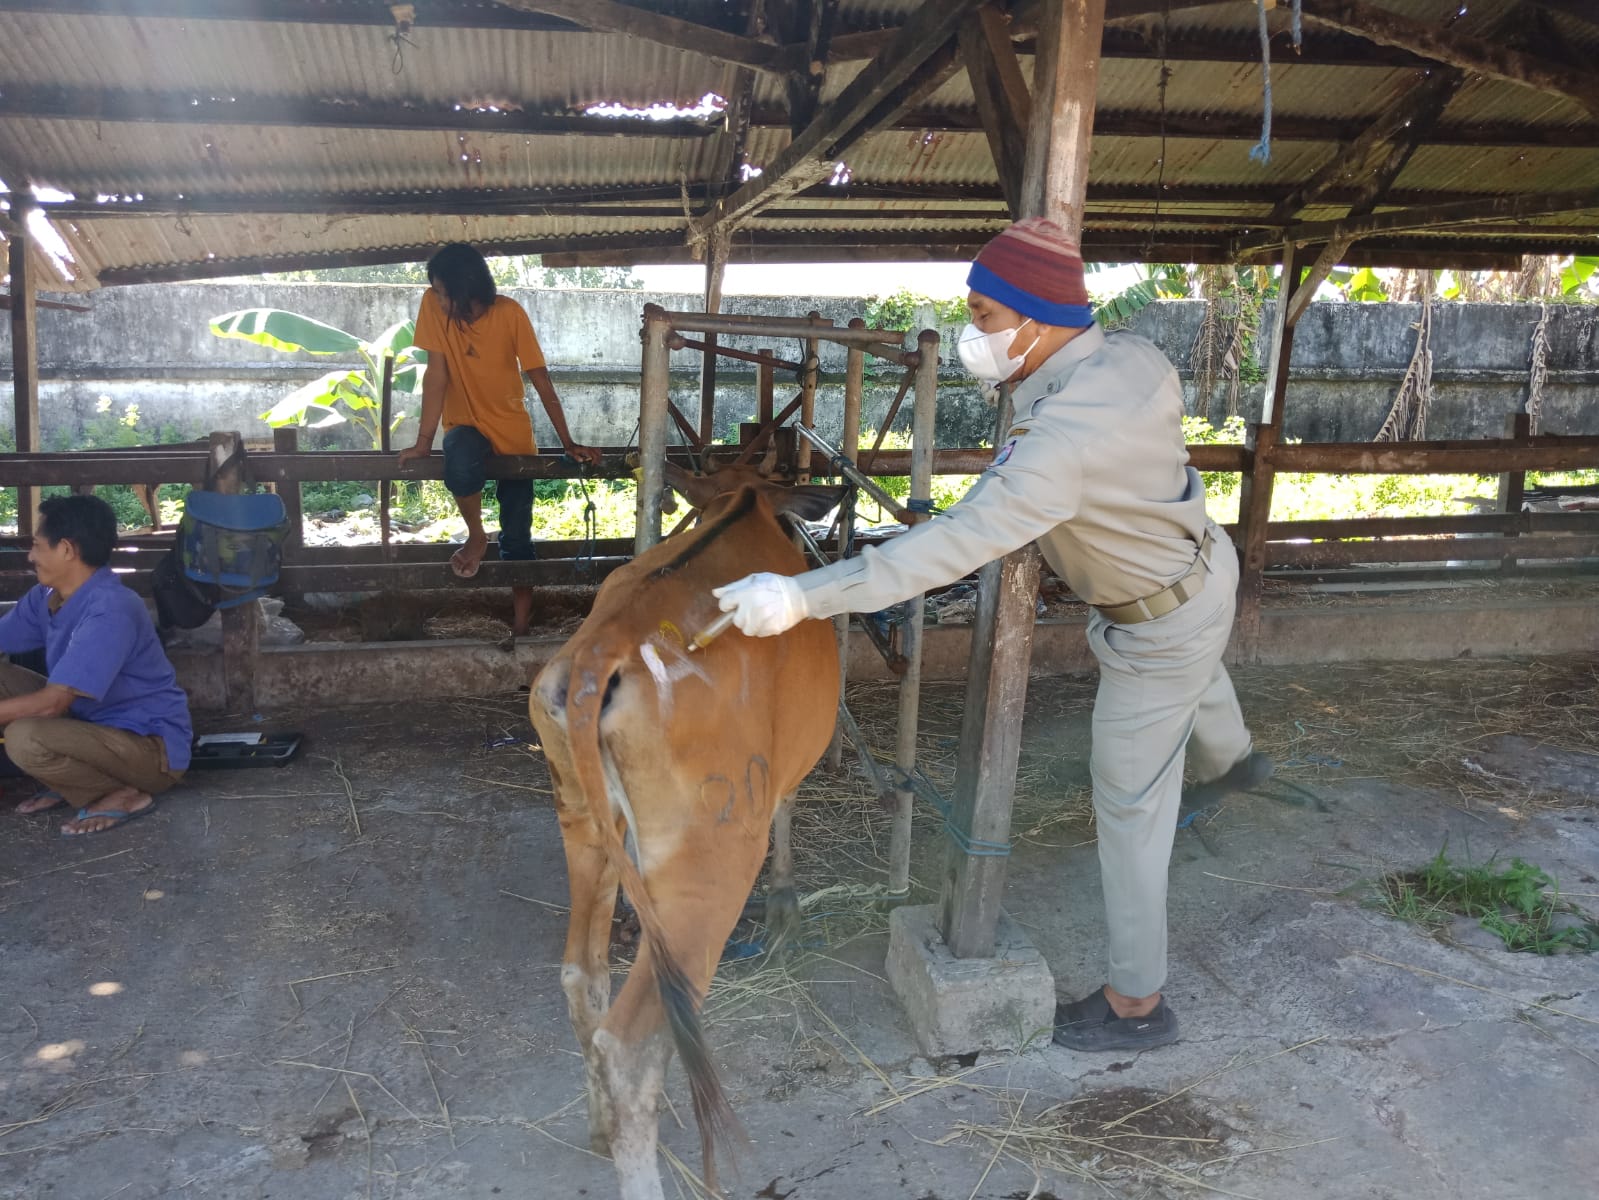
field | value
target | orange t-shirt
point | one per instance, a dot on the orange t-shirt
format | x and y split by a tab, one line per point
486	359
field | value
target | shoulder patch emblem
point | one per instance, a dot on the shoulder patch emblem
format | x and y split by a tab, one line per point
1005	451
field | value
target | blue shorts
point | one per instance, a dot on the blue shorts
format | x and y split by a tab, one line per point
466	456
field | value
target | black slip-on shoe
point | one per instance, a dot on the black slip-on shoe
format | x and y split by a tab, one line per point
1244	775
1091	1024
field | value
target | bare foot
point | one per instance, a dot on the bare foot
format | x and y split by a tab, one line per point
465	561
113	809
40	802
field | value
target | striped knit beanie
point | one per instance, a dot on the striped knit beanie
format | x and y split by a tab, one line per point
1035	268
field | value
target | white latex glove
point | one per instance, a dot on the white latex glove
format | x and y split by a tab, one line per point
763	605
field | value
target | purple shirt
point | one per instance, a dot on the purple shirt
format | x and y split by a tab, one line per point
102	644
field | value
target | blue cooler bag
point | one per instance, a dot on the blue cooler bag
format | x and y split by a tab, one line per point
233	543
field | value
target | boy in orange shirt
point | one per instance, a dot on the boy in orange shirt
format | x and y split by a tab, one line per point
480	347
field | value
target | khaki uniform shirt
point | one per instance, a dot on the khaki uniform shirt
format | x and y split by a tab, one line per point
1094	470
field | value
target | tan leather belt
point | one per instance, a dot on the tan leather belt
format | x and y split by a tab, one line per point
1168	599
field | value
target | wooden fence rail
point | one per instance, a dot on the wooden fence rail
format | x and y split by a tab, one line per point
1283	545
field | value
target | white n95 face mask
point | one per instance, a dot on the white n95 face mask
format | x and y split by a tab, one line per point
988	355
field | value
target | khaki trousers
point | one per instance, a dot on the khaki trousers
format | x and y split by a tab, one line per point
80	760
1163	697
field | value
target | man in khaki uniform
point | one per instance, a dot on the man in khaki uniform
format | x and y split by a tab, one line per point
1094	470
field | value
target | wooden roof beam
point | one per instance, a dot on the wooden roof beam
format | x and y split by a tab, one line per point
324	112
1475	55
1442	216
769	246
1374	159
107	105
608	16
635	198
1582	10
433	14
1004	104
809	157
1134	40
807	26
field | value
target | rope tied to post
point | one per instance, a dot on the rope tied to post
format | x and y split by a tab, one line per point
917	783
591	518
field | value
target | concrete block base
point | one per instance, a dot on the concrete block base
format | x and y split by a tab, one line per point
963	1005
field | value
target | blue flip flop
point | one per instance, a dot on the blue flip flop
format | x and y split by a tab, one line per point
118	819
55	798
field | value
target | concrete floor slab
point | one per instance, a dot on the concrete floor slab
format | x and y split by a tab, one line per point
339	980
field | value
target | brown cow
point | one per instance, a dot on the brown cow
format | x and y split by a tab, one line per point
669	767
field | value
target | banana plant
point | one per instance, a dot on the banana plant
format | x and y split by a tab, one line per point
1163	281
1577	272
352	394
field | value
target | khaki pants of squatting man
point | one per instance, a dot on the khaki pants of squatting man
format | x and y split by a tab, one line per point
77	759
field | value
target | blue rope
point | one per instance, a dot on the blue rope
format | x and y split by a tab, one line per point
919	785
1261	151
921	506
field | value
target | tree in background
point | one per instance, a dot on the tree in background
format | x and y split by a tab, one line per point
1569	279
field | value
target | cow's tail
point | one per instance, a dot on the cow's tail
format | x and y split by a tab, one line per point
586	692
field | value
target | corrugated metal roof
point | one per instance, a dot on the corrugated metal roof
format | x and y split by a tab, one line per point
69	81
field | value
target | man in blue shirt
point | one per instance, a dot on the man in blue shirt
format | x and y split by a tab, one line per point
108	730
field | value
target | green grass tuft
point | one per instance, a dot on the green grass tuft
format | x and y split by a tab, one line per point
1519	903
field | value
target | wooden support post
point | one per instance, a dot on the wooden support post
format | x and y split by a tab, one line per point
715	270
849	445
287	441
1054	185
923	418
812	369
766	385
1065	84
990	741
1254	494
24	353
654	394
241	624
385	419
1254	519
1513	484
708	392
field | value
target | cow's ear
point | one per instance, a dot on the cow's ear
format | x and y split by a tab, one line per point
698	490
809	503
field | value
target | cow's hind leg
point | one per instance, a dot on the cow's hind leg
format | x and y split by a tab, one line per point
782	904
628	1061
585	971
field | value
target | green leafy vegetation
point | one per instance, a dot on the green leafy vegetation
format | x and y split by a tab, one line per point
353	394
107	430
903	310
1161	281
1519	903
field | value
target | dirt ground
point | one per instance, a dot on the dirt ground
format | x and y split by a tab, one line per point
338	980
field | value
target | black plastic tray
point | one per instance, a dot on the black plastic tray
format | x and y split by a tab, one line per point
273	750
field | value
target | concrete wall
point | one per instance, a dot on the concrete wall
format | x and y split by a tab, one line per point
150	346
363	673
